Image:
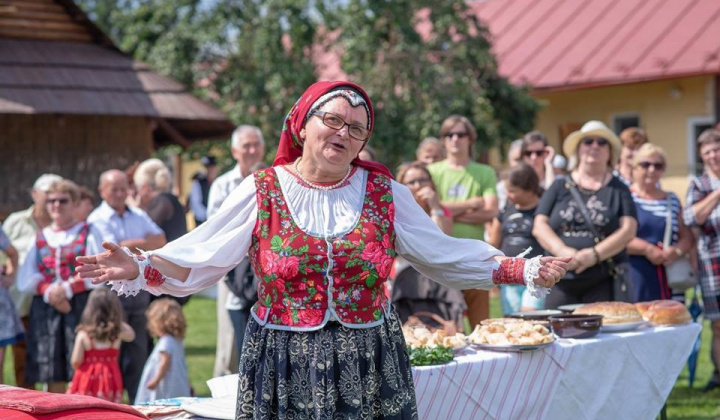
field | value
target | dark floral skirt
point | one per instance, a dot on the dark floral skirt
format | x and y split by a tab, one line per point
333	373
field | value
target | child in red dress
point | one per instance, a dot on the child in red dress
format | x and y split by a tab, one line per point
97	347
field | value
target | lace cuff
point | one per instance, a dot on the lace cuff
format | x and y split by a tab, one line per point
148	276
531	271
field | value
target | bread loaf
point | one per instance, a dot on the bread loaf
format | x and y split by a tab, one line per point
664	312
612	312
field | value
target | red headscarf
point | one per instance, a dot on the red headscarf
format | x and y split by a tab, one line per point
290	147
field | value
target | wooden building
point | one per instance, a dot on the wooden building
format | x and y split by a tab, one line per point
73	104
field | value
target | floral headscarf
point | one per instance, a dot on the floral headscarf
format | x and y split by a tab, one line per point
291	145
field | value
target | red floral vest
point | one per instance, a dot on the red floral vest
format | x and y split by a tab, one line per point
49	266
304	280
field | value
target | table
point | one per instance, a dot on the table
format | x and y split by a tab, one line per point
613	375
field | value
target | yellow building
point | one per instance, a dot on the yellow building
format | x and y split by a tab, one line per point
645	63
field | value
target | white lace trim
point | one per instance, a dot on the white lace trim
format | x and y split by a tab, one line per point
134	286
530	273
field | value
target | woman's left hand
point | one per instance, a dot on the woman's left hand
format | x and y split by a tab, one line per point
552	269
669	255
585	259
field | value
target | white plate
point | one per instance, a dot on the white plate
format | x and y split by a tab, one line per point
511	347
570	308
628	326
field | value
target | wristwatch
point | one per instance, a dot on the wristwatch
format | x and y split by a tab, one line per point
437	212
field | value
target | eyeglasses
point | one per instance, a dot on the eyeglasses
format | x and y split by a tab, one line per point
538	153
587	141
52	201
659	166
336	122
459	134
418	181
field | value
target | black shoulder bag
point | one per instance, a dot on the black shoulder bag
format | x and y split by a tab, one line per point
621	284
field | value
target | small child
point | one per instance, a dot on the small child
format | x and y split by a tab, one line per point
11	329
165	374
511	232
97	347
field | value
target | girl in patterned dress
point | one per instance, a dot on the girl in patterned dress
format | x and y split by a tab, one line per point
97	347
11	330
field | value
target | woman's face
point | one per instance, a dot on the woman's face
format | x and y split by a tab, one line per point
431	153
534	156
415	179
649	170
594	150
710	155
329	149
518	195
61	208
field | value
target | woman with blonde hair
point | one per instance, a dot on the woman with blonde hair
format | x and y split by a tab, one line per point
648	255
153	181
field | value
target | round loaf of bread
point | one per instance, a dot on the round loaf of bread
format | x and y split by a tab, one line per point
612	312
664	312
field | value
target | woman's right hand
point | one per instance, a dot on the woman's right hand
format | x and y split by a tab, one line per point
428	196
113	264
654	254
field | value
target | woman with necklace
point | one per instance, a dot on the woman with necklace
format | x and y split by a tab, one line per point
562	230
60	296
511	232
322	229
648	256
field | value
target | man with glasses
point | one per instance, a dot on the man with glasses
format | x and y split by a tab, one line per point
632	138
248	149
467	190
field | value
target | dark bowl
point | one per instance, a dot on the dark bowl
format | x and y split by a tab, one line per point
576	326
539	315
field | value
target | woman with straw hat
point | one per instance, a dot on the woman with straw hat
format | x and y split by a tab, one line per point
561	224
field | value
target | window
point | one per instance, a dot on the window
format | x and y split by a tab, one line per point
625	120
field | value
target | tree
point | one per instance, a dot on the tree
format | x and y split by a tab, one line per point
420	61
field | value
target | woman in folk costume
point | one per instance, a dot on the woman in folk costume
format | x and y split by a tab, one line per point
322	229
60	295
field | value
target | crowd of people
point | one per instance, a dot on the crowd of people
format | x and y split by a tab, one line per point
323	254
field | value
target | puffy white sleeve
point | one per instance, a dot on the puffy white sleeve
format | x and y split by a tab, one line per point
453	262
216	246
28	277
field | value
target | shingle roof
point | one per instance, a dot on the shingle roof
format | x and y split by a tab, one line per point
47	74
567	44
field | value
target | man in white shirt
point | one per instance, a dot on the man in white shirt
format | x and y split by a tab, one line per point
133	228
248	149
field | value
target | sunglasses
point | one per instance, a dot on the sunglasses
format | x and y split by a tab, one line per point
52	201
538	153
588	141
459	134
659	166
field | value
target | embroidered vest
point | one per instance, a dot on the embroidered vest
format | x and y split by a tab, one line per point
46	255
304	280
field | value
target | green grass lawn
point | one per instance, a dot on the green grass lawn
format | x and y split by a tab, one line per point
684	403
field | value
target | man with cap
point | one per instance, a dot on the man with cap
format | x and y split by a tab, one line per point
247	148
131	227
200	190
21	228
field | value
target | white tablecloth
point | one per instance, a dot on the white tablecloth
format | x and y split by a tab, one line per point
611	376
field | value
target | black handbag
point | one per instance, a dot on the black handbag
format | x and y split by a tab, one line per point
242	282
621	283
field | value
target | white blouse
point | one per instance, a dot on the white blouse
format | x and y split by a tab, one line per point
218	245
29	275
